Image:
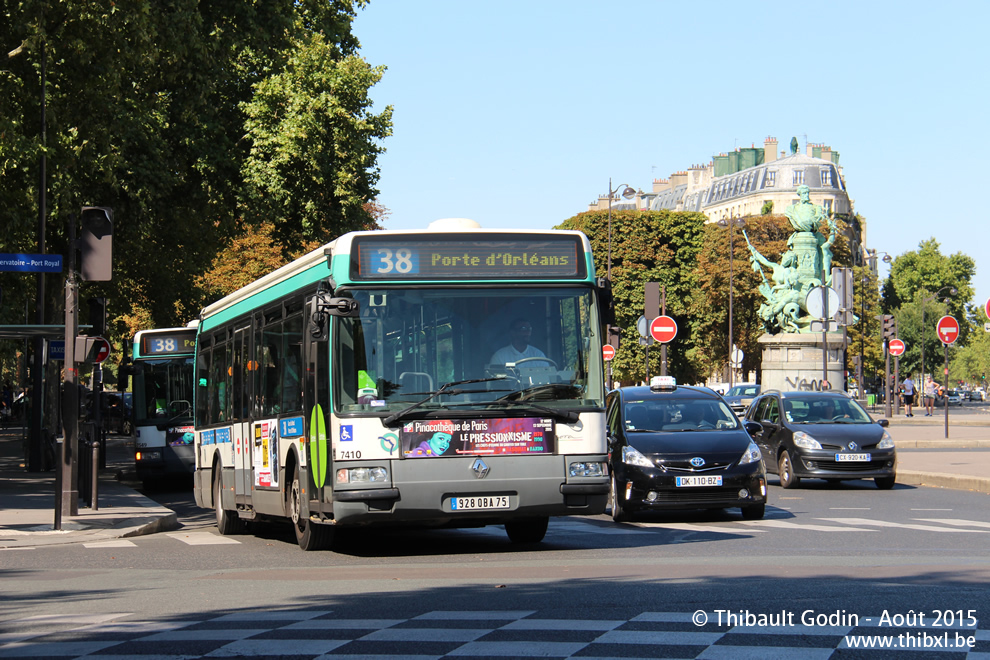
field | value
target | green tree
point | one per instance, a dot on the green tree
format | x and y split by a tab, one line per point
647	246
164	111
917	284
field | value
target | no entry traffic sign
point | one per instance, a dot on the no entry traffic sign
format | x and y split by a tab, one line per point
896	347
102	349
663	329
947	329
608	352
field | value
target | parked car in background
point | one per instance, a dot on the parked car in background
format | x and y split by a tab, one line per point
680	447
822	435
740	396
955	398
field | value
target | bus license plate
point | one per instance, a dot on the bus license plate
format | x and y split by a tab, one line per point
709	480
852	458
479	503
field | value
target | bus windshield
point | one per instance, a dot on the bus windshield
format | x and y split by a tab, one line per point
163	391
516	344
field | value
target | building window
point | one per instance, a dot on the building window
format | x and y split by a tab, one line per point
827	205
771	179
826	177
798	177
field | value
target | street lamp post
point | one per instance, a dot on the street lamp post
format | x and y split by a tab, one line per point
872	262
952	291
730	223
628	193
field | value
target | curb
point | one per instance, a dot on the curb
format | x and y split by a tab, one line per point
143	526
942	480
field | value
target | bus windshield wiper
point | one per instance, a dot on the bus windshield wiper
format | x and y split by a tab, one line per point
448	389
569	416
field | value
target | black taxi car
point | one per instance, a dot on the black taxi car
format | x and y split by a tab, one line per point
680	447
822	435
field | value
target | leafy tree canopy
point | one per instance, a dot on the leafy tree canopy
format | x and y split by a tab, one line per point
194	121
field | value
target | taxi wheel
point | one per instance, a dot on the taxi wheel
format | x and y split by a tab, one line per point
618	513
754	511
885	483
786	472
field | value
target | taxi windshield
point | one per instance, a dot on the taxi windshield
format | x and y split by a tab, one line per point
678	414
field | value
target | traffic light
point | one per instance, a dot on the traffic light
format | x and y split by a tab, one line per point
98	316
86	403
889	326
96	244
614	332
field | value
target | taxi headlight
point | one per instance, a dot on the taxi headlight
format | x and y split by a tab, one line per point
591	469
752	454
805	441
361	475
632	457
886	442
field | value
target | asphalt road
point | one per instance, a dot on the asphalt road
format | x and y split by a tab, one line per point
844	550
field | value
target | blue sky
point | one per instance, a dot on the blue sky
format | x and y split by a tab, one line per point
517	112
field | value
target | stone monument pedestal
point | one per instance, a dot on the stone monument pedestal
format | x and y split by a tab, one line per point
794	361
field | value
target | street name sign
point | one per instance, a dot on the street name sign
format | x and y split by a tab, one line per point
31	263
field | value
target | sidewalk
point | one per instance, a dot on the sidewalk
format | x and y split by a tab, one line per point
27	500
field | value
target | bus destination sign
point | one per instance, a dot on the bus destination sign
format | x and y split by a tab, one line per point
169	343
496	258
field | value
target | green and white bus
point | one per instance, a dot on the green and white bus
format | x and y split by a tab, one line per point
161	407
355	386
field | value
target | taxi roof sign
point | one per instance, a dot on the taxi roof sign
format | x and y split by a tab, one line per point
663	383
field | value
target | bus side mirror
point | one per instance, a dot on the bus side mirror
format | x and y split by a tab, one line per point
322	306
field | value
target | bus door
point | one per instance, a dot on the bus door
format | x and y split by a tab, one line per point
241	380
317	398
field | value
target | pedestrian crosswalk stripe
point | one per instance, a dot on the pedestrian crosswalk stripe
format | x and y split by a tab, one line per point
957	522
201	538
115	543
786	524
887	523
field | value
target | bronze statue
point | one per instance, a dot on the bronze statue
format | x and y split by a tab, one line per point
800	269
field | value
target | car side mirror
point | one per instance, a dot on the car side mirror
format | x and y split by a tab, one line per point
883	422
753	428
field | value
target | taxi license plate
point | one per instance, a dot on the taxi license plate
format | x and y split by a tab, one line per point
852	458
479	503
708	480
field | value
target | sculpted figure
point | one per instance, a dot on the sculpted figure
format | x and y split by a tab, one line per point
803	215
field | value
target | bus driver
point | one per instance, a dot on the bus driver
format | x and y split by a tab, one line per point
519	348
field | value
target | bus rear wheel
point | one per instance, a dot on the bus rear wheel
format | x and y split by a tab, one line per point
529	530
309	536
228	522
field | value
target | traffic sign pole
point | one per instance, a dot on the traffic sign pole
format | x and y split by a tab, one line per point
948	331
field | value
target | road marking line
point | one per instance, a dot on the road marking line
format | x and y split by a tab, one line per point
884	523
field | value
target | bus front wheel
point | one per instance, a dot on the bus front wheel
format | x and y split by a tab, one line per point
528	530
309	536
